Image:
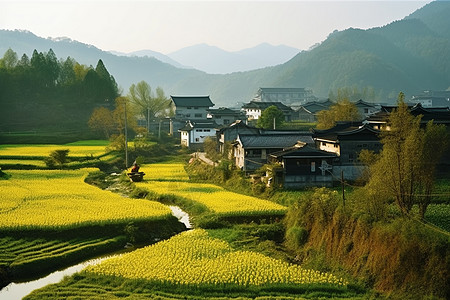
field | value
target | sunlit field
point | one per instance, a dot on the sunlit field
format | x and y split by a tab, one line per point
79	149
165	172
53	199
194	258
171	179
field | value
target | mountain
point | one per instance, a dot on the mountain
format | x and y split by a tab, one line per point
214	60
126	70
409	55
149	53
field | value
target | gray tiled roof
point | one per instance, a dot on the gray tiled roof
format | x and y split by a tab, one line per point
272	141
203	101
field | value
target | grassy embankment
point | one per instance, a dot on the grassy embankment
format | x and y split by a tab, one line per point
357	239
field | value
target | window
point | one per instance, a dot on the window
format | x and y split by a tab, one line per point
366	110
198	130
188	115
189	107
198	115
197	140
324	144
195	107
207	130
313	166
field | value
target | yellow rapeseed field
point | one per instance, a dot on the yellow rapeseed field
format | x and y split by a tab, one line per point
165	171
194	258
60	199
216	198
44	150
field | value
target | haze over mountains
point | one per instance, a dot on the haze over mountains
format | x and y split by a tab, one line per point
410	55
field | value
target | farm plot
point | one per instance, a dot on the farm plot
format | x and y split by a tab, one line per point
57	199
76	150
193	258
171	179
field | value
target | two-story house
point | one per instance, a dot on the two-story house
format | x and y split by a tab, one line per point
194	133
251	151
346	140
191	107
303	165
188	108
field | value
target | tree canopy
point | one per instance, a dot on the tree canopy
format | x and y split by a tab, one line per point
46	94
271	118
405	169
343	110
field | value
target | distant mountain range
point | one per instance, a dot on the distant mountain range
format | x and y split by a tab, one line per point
409	55
213	60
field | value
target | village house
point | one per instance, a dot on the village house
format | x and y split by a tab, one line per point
225	116
308	111
429	99
229	134
366	109
188	108
302	166
194	133
346	140
254	109
251	151
439	115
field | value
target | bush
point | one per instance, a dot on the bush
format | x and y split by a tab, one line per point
296	237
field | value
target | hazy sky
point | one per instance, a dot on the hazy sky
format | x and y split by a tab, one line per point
166	26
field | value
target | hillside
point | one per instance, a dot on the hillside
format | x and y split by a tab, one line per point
409	55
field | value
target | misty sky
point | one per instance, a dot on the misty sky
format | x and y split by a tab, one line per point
166	26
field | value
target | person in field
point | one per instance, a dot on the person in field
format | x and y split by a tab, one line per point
135	168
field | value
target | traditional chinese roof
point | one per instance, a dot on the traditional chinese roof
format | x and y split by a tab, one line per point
340	132
302	150
224	111
361	103
199	101
440	115
263	105
254	141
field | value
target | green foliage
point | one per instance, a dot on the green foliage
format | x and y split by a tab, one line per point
343	110
57	158
42	90
271	118
407	163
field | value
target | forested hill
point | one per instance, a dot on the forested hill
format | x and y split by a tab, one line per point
410	55
43	94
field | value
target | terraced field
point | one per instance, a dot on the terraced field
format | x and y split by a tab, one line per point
172	179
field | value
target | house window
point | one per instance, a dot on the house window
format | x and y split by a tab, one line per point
313	166
197	140
195	107
188	115
324	144
198	130
198	115
366	110
335	145
189	107
207	130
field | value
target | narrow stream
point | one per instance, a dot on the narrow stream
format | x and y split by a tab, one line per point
16	291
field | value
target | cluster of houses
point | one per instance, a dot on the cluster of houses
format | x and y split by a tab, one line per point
303	158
